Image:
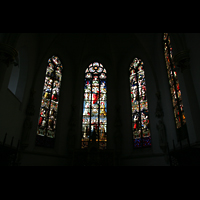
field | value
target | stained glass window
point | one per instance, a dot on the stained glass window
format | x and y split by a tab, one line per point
94	121
46	130
139	104
175	91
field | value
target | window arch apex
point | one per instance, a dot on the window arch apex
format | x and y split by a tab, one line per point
94	121
47	121
139	105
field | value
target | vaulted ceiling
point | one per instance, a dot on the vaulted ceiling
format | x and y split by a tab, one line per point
98	45
81	47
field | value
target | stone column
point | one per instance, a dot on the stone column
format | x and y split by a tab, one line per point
182	61
7	56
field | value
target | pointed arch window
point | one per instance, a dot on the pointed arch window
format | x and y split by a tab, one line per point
140	112
94	121
175	91
46	129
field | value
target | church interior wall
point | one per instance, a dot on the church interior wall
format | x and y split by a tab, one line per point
79	92
193	44
64	103
145	161
118	93
178	44
69	119
187	108
14	109
189	82
163	87
43	159
92	52
10	113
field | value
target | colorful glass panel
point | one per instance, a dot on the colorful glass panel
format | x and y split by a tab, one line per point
94	124
46	130
139	103
175	91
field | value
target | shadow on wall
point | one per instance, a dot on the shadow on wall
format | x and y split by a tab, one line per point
19	74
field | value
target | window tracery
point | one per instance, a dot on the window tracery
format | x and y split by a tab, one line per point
94	121
175	91
47	121
139	104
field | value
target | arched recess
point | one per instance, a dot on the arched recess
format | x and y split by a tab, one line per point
137	50
47	122
184	61
176	95
94	121
58	49
78	92
139	102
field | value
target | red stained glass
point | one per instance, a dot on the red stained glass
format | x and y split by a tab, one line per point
95	107
46	130
139	102
173	83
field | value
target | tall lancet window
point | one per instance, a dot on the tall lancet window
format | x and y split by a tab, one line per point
140	112
175	91
94	121
46	130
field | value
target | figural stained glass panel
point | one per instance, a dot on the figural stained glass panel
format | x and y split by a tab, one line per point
46	130
139	104
94	121
175	91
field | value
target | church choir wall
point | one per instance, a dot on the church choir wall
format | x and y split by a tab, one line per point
23	126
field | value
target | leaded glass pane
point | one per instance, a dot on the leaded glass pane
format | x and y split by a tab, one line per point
49	104
139	103
94	124
175	91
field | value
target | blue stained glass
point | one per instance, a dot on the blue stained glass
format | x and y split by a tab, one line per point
147	141
95	107
47	121
137	142
139	105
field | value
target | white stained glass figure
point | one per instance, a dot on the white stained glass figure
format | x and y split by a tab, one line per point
95	106
49	103
139	103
